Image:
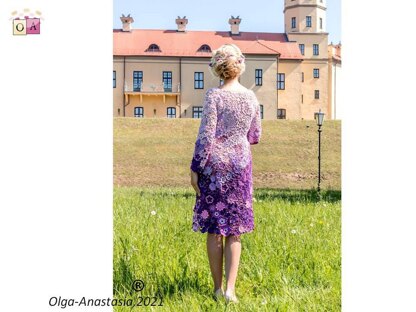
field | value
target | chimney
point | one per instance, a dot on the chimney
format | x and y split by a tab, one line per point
235	25
126	20
181	22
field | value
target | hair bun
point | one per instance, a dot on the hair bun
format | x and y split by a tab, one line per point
227	62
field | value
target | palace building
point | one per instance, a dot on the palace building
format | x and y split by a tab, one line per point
165	72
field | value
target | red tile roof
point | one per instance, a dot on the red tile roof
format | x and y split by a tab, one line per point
174	43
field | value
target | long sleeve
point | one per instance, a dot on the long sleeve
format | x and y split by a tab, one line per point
206	134
254	133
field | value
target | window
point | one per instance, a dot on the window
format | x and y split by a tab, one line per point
139	112
261	111
302	98
114	79
171	112
316	73
259	77
280	81
167	81
302	48
198	80
303	77
316	49
281	113
196	111
153	48
316	94
204	48
293	22
308	21
320	23
137	80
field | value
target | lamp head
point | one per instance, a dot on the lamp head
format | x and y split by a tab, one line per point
319	117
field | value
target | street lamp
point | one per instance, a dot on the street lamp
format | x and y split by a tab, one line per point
319	117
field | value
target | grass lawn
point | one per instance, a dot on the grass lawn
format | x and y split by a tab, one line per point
157	152
291	262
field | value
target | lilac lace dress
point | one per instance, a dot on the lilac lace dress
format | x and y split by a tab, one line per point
222	158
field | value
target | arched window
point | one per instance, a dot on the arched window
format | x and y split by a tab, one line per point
153	48
204	48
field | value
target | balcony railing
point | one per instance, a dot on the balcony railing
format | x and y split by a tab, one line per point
154	88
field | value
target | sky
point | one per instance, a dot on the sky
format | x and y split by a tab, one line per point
257	15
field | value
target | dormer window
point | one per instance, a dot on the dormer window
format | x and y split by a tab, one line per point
204	48
153	48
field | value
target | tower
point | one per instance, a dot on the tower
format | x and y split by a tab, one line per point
305	16
305	23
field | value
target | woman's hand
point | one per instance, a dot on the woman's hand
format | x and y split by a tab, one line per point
194	182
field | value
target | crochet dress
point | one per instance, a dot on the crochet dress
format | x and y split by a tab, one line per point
222	158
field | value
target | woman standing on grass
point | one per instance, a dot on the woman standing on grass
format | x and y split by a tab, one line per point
221	171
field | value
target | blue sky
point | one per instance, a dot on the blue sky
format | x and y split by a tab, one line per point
257	15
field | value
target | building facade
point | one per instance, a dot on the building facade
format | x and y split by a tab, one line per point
334	77
165	73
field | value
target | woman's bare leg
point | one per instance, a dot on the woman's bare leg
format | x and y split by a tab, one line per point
232	254
215	255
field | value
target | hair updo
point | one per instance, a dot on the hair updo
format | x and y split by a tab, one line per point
227	62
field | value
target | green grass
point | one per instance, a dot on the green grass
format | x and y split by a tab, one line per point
157	152
291	262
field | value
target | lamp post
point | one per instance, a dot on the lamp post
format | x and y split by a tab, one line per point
319	117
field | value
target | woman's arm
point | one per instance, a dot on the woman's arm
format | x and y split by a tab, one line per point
206	134
254	133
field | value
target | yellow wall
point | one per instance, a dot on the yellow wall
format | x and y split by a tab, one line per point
334	76
266	93
152	70
300	12
308	40
118	91
190	96
310	105
289	99
153	106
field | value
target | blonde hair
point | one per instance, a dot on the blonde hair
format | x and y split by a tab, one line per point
227	62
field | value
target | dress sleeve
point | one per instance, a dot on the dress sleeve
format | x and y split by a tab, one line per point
206	133
254	133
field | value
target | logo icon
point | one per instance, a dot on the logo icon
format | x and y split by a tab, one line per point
26	22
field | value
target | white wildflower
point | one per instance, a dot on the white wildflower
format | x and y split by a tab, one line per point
293	231
153	212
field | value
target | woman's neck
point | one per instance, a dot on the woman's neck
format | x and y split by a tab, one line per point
231	82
